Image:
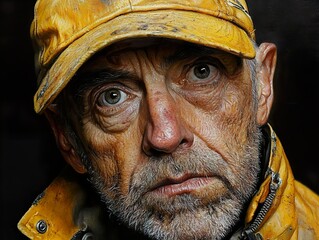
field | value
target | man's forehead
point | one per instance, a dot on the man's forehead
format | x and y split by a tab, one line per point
121	60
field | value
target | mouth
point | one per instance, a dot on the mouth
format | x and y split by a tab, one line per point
183	185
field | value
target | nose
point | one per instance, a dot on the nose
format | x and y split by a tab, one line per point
165	131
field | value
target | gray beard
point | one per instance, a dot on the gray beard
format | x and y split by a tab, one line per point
185	216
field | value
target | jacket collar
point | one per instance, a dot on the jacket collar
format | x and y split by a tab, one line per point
271	212
64	211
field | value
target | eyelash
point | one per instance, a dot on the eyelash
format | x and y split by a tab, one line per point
203	61
209	61
115	108
103	101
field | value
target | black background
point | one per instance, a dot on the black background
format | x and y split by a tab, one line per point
29	158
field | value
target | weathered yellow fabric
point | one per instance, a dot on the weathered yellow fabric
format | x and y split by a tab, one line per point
67	33
293	215
55	207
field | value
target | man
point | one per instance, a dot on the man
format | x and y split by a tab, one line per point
163	107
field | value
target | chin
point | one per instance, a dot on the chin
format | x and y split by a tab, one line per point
190	219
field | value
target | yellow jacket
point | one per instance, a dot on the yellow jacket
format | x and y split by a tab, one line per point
282	208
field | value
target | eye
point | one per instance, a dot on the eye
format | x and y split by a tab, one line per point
202	72
112	97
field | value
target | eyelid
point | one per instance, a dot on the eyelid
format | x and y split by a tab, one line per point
203	60
90	80
98	90
185	80
208	60
96	93
124	94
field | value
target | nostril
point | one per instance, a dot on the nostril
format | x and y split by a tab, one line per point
188	138
154	152
185	143
159	148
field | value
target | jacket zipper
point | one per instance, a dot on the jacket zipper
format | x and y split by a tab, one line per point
249	232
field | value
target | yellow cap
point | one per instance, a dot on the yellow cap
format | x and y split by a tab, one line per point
66	33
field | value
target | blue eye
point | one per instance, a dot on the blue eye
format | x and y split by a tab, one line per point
112	97
202	71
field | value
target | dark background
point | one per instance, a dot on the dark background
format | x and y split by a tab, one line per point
28	156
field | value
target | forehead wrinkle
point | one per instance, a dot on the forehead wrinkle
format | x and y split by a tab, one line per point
146	61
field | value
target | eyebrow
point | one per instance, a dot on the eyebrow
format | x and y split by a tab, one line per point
87	80
188	51
84	81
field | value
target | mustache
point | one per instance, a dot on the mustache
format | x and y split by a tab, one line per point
192	164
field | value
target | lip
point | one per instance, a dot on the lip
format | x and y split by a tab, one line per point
177	186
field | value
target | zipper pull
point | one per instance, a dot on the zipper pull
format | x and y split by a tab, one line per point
249	232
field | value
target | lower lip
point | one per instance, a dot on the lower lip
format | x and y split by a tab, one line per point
190	185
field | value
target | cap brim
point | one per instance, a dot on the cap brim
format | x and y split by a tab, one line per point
188	26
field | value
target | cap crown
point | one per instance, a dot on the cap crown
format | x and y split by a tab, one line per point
57	23
66	33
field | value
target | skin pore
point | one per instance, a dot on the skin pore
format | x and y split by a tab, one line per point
169	134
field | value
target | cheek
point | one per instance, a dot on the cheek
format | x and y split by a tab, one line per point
120	121
236	106
114	156
223	123
237	114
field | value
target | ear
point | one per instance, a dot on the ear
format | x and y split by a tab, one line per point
63	142
266	64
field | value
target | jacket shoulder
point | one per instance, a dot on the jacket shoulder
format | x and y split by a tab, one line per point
307	210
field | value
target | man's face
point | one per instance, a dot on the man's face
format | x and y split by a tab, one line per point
170	133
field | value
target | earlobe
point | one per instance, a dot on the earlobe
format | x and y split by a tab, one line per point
65	146
266	65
